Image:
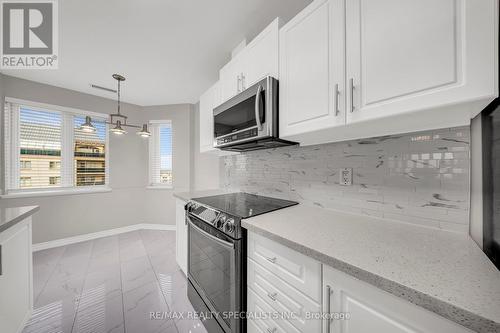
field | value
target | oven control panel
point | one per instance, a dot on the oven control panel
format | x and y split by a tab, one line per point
217	219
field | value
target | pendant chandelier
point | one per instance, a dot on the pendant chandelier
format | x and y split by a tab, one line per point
117	120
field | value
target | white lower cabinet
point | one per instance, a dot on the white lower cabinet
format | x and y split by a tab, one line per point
285	283
373	310
281	297
16	277
181	235
301	272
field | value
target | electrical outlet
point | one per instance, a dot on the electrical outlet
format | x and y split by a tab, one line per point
346	176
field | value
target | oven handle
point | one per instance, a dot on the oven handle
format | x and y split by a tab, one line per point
257	108
206	234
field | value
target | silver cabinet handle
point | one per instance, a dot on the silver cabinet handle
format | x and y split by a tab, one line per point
329	293
238	81
243	86
1	271
351	89
272	296
271	260
273	330
257	108
336	96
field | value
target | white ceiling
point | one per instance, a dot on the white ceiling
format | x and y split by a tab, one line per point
169	50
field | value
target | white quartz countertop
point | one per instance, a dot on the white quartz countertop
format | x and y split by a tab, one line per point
197	194
11	216
444	272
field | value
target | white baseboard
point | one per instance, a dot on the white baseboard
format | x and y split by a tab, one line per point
99	234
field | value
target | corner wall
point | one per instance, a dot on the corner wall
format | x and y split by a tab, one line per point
129	202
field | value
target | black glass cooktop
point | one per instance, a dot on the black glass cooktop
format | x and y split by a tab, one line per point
244	205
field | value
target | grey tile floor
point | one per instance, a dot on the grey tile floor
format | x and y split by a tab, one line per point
110	285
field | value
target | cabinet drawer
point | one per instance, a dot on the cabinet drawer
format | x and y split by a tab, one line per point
261	322
283	297
296	269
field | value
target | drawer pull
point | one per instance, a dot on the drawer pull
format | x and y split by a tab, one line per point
271	260
273	296
329	293
273	330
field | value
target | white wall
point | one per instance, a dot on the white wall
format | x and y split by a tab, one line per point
159	205
206	167
129	202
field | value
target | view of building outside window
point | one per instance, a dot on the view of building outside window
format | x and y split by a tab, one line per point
40	146
166	154
90	154
40	150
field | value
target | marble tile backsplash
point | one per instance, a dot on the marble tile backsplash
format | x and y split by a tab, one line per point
420	178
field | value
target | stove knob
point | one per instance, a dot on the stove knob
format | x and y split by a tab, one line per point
229	226
188	207
220	221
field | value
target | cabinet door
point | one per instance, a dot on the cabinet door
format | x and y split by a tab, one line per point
373	310
406	55
230	78
261	56
181	235
16	279
207	103
312	55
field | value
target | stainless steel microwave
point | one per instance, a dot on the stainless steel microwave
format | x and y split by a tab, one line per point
249	120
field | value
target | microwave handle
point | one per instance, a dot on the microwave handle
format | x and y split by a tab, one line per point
257	108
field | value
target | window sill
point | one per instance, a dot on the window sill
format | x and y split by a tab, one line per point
51	193
159	187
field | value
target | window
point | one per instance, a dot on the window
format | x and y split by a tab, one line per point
89	154
25	182
54	180
160	154
25	165
45	148
54	165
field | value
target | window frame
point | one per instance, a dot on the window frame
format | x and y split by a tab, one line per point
11	145
153	185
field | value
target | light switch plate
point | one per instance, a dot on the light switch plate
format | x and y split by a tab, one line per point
345	176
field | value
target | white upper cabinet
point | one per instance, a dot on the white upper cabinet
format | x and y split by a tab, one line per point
256	61
261	56
406	55
230	78
207	102
395	66
312	81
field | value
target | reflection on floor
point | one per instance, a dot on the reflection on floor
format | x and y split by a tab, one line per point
111	285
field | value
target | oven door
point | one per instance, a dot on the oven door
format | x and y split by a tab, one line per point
250	115
214	270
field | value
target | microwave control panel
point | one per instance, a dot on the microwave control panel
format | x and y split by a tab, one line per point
237	136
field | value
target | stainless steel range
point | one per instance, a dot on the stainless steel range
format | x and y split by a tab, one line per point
217	256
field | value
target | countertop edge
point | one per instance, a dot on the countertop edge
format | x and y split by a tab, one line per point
32	210
449	311
180	196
